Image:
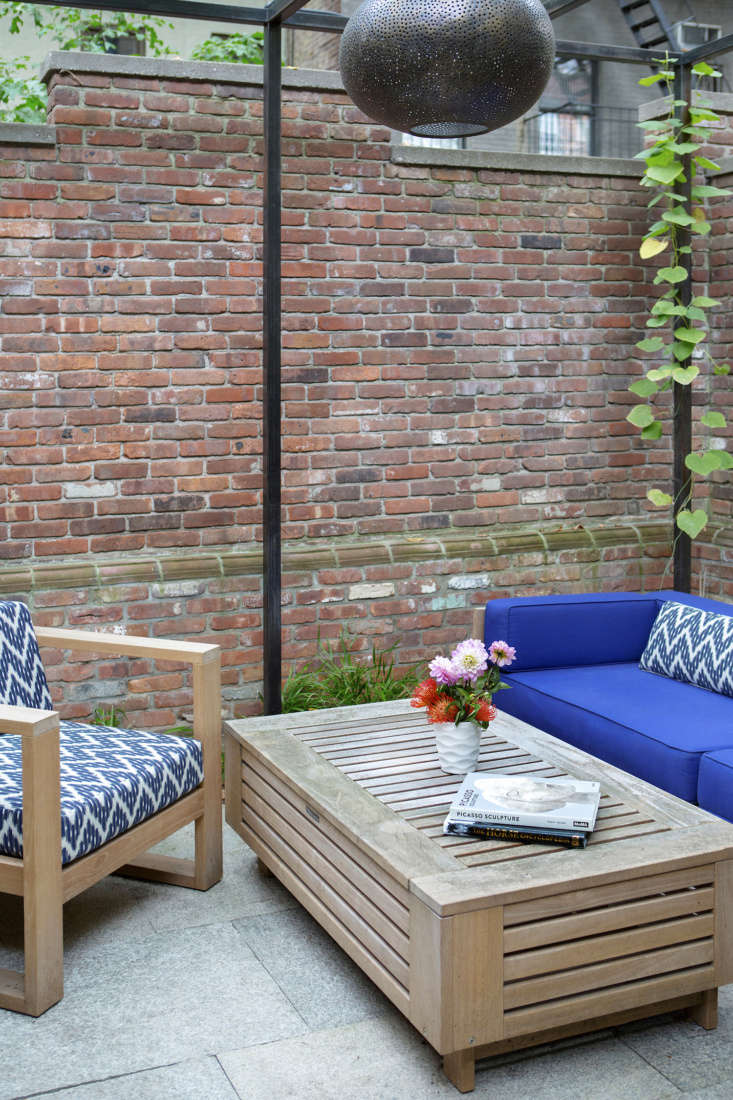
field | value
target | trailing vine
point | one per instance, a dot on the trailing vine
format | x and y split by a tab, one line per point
675	143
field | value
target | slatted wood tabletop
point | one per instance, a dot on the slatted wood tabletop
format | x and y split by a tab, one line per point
485	945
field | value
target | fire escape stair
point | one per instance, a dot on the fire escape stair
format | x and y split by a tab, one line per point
649	24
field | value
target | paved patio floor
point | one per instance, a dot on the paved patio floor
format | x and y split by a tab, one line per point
238	993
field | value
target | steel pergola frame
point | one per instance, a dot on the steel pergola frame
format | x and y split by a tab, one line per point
289	14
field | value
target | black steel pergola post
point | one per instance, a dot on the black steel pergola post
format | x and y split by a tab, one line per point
682	395
271	370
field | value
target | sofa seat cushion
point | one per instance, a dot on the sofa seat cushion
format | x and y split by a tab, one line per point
715	783
111	779
645	724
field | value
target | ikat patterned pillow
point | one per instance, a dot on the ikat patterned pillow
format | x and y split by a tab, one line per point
22	679
686	643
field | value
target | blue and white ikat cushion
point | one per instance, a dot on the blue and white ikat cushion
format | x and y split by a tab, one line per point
687	643
22	679
111	779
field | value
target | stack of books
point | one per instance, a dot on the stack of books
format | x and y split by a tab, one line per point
517	807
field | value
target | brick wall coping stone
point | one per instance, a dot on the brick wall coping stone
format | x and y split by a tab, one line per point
516	162
217	72
472	543
25	133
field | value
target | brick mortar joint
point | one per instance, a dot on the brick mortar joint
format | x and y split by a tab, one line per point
472	543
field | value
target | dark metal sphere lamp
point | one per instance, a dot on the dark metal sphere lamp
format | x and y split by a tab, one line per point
447	68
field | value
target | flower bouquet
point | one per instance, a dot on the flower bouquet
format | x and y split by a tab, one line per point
458	693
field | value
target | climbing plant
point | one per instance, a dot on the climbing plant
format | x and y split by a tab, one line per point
679	344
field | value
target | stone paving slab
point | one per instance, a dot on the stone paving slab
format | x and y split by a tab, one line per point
238	993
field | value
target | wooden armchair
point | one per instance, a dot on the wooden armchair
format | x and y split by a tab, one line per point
39	875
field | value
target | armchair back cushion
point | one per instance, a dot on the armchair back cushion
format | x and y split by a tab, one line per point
22	679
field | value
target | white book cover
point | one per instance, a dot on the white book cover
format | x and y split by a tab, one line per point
520	800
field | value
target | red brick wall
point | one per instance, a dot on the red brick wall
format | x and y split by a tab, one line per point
457	345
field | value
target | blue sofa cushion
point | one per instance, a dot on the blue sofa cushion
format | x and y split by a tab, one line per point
689	644
648	725
715	783
22	679
111	779
569	630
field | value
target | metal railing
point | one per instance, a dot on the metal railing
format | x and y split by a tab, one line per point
591	131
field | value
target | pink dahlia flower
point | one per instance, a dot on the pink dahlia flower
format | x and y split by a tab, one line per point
470	659
442	671
502	654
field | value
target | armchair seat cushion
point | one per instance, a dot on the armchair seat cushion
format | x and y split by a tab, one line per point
111	779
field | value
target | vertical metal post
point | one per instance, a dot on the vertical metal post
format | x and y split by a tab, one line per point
682	395
271	362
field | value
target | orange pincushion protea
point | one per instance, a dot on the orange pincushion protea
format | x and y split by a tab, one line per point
443	709
486	711
424	694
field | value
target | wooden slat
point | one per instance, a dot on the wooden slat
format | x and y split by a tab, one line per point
573	900
526	964
126	645
11	875
724	922
154	867
328	920
588	1006
595	921
116	853
332	866
394	895
602	975
351	921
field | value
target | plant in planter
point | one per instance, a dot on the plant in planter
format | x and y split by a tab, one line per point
678	319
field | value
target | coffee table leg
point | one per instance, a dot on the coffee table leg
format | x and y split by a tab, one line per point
706	1012
459	1068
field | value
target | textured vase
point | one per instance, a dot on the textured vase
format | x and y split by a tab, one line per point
458	746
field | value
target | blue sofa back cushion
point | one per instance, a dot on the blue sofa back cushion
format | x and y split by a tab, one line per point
689	644
22	679
647	725
590	629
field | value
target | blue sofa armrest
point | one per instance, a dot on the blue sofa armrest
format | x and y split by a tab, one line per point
589	629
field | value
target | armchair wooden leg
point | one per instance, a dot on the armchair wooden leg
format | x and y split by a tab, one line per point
42	888
207	729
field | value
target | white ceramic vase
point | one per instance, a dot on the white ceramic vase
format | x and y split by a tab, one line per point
458	746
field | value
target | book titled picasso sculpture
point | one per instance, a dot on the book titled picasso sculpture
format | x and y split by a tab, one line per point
533	810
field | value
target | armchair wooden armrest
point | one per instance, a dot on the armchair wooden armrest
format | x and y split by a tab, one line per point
205	660
26	721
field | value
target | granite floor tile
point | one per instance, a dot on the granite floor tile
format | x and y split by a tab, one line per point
319	979
202	1079
385	1059
141	1004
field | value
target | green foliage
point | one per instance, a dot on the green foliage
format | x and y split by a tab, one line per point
337	677
22	95
242	49
76	29
672	159
108	715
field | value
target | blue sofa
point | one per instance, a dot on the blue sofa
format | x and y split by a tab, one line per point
577	677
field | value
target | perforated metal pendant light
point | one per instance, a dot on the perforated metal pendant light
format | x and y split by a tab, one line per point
447	68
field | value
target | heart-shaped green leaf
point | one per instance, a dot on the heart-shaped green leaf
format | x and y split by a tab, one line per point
691	523
653	343
652	431
652	246
656	322
721	368
725	460
681	351
658	498
671	275
664	173
677	216
703	69
703	162
658	374
713	420
644	387
708	191
704	302
685	375
640	416
702	464
689	335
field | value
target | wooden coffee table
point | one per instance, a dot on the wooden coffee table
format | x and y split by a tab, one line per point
485	946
